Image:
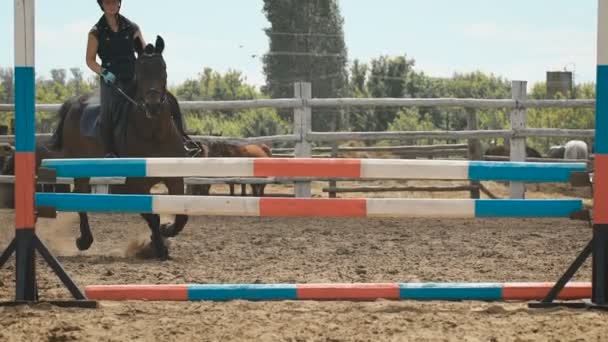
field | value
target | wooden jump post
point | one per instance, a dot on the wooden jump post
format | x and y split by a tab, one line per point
26	242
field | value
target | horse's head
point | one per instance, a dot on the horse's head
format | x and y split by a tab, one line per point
151	76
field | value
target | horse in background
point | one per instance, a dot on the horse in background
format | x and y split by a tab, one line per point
505	151
573	149
224	149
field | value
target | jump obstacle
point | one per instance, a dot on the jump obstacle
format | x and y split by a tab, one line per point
334	292
305	207
26	241
270	207
308	167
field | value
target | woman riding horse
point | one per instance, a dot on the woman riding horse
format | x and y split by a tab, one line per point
113	39
150	133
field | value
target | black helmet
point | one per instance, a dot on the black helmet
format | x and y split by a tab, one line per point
100	3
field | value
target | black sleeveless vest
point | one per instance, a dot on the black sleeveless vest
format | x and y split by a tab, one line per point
117	49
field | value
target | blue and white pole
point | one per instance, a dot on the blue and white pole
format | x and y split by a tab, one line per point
600	203
25	99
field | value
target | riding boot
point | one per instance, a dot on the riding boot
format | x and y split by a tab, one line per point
107	137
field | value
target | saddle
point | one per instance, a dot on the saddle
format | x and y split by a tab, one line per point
90	120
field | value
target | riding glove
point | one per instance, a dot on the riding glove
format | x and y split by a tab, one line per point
108	76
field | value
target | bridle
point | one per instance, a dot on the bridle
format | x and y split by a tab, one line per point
141	105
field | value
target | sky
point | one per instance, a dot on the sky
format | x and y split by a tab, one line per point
515	39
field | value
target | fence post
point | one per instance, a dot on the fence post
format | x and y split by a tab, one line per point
518	145
334	152
475	152
302	119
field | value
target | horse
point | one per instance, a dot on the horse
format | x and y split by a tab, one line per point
556	152
573	149
501	150
149	131
576	149
223	149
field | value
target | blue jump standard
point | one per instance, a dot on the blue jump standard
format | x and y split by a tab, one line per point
523	171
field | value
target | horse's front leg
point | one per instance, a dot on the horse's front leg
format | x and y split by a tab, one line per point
175	187
143	186
153	220
84	242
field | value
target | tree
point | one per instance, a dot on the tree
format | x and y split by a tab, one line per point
572	118
2	94
59	76
306	44
214	86
76	84
358	78
388	78
6	78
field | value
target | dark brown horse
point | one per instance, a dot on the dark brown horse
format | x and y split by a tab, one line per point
504	151
150	132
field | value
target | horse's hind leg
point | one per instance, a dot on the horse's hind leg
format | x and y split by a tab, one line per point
258	189
175	187
84	242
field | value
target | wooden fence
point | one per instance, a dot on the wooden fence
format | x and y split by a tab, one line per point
304	137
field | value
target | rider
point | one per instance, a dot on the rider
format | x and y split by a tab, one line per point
113	39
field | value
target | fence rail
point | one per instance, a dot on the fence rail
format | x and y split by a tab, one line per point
358	102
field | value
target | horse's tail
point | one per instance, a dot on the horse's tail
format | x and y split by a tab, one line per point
57	138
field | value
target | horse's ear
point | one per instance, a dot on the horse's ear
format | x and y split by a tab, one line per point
139	46
160	45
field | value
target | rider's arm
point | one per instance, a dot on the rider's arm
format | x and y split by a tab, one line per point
92	45
141	37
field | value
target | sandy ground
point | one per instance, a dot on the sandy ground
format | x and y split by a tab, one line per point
250	250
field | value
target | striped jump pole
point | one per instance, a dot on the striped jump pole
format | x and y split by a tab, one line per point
597	247
26	243
308	207
308	167
337	292
25	141
600	203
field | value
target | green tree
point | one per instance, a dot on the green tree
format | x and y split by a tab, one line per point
6	79
306	44
232	85
388	78
571	118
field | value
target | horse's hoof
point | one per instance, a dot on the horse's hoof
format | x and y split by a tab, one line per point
83	244
163	255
